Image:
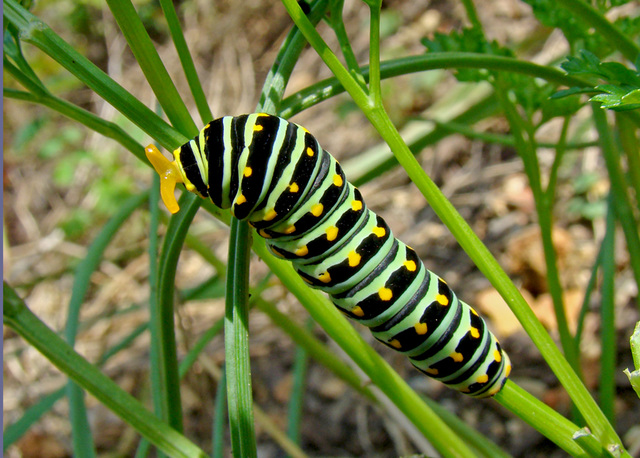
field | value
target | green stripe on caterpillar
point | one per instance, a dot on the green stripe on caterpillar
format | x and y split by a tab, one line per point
274	174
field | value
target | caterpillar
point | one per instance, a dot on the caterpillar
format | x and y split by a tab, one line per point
274	174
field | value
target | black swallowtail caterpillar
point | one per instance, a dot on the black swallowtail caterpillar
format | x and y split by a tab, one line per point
274	174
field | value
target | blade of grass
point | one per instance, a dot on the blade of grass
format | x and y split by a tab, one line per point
152	67
17	316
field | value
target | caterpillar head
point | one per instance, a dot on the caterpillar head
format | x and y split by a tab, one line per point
170	175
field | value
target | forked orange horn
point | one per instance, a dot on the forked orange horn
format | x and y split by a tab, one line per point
169	177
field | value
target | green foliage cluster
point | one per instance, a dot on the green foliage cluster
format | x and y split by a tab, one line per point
520	91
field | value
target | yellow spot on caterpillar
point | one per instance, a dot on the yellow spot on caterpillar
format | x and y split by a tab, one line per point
357	311
290	230
317	209
293	188
304	129
247	171
310	152
385	294
270	215
324	277
307	280
431	371
442	299
332	233
421	328
497	355
508	370
263	234
473	311
356	205
337	180
257	128
410	265
457	357
466	389
484	378
241	199
475	333
395	343
379	231
302	251
354	259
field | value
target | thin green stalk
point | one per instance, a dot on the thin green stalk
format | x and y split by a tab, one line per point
375	92
337	24
295	406
219	417
17	316
622	201
151	65
543	418
236	340
36	32
186	60
154	353
607	319
163	320
585	13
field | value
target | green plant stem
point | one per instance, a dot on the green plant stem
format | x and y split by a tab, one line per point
219	417
186	60
607	319
236	338
542	417
162	323
586	13
17	316
375	92
152	67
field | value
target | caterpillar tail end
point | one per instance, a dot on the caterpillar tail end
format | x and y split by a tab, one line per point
169	177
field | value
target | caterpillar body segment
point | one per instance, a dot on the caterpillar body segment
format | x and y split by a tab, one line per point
274	174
